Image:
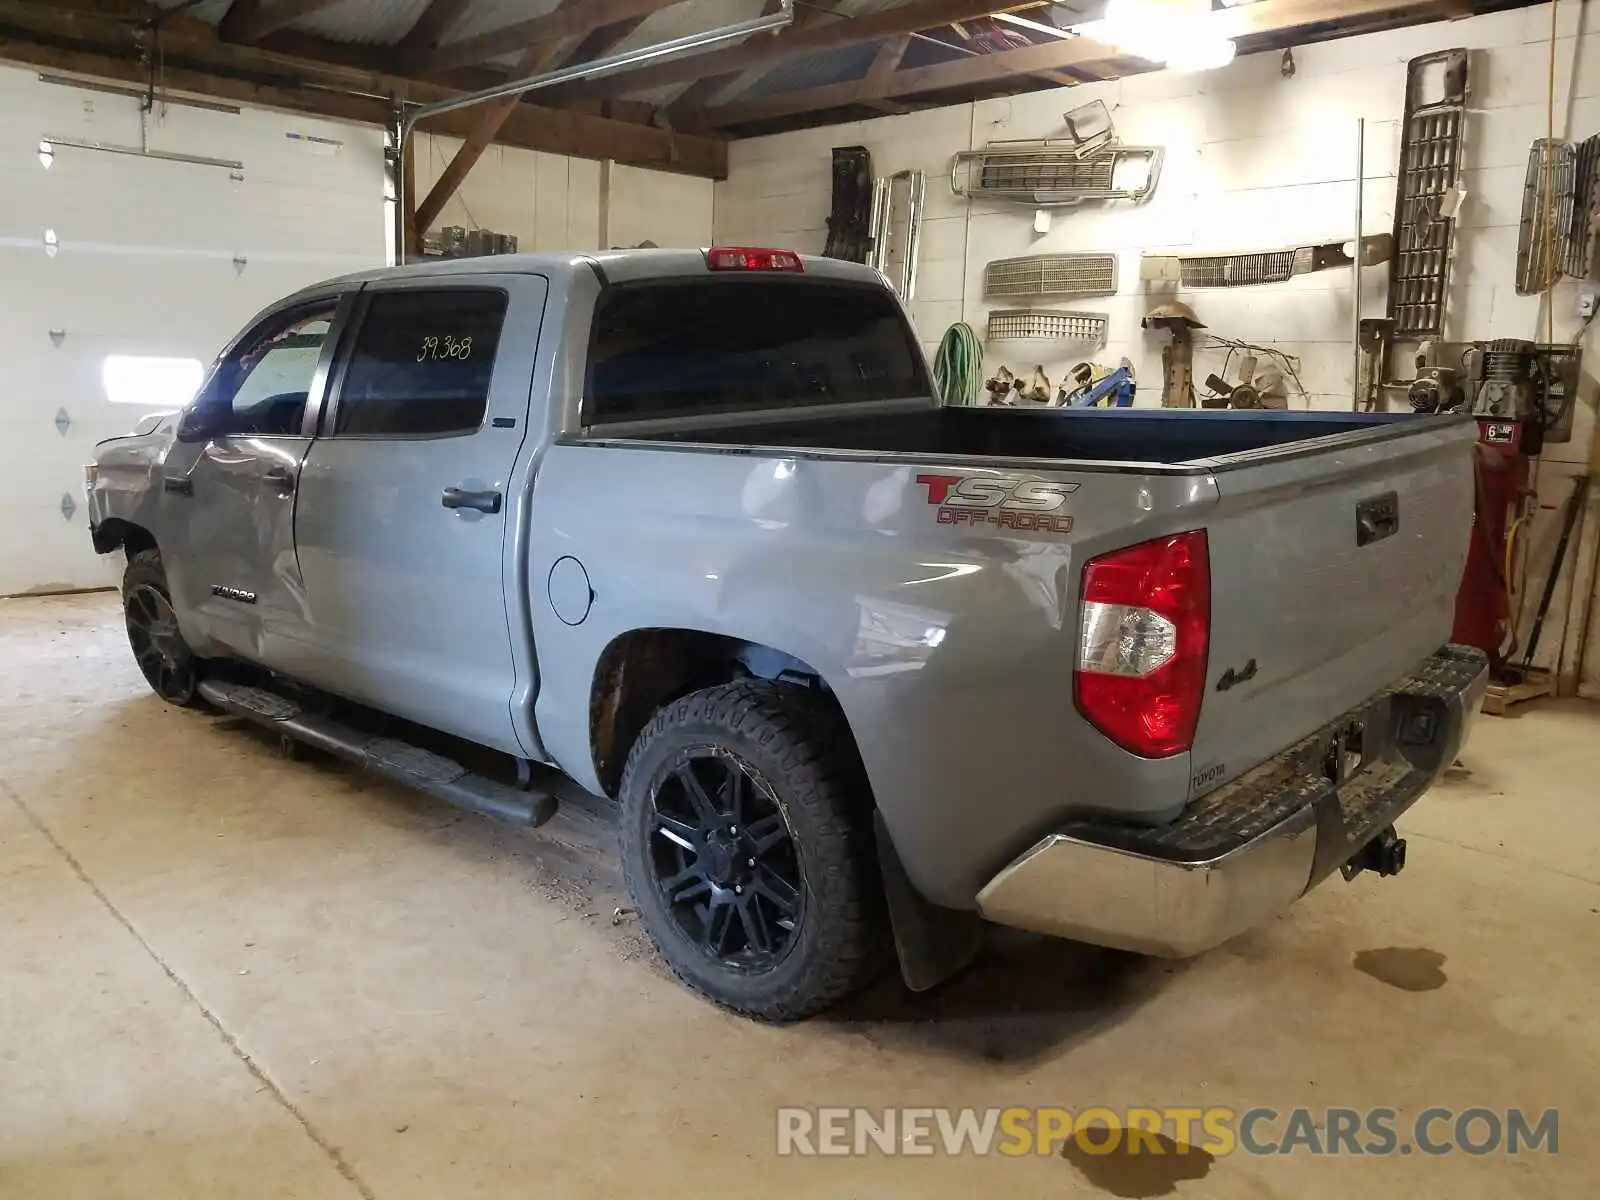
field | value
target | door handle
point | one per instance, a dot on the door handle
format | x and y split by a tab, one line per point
280	478
484	502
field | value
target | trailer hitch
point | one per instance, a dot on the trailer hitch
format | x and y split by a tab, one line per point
1385	854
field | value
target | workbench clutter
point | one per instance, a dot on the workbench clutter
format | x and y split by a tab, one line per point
1087	385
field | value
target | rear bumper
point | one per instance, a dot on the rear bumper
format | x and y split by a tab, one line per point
1245	852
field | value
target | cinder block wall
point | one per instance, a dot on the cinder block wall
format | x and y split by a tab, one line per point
1254	160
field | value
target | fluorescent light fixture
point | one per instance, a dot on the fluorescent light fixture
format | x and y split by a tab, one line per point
150	381
1181	34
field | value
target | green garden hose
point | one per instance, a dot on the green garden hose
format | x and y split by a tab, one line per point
958	366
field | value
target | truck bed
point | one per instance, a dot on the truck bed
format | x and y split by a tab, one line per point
1335	544
1164	436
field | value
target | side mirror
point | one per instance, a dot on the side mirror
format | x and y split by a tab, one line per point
200	423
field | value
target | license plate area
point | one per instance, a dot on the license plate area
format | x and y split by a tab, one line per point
1357	742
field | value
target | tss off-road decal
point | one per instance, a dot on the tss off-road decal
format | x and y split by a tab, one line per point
1002	501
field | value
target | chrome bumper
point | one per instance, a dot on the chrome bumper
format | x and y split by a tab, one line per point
1244	853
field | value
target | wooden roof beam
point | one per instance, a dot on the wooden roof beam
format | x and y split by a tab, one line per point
491	119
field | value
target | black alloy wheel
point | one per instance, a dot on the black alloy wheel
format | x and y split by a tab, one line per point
724	861
158	647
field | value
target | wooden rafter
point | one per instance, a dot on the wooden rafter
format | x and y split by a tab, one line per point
491	118
885	64
76	36
251	20
564	22
1267	16
600	42
795	42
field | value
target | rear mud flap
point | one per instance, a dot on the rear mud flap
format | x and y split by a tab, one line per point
932	942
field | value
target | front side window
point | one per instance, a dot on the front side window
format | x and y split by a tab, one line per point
267	380
422	363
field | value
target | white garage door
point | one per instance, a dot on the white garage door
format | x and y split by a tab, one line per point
107	256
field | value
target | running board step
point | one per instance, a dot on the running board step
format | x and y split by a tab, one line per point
440	777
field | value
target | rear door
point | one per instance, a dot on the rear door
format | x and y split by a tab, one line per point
402	525
1334	569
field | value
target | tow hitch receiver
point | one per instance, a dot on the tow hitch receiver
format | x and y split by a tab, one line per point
1385	854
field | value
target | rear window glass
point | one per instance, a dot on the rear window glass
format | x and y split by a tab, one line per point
727	345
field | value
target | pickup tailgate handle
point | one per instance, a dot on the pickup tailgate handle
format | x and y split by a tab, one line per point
484	502
1377	518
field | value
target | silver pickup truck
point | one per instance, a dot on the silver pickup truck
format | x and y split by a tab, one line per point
859	671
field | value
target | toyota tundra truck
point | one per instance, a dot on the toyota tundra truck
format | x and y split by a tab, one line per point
857	672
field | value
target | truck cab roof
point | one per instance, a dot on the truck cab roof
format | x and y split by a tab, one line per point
614	266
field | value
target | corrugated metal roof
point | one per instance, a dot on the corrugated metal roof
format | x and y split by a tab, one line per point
818	70
486	16
208	10
679	20
364	22
385	22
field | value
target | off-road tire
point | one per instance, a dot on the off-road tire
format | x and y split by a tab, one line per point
798	747
145	574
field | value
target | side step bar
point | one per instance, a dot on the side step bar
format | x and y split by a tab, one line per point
438	776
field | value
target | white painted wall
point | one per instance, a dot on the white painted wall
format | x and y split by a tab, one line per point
553	202
1253	161
146	266
548	201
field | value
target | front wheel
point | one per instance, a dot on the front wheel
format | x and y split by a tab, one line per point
748	848
170	668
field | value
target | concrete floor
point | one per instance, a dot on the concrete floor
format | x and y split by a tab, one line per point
226	974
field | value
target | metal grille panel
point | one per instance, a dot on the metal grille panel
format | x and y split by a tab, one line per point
1430	161
1580	261
1052	173
1041	324
1052	275
1238	270
1549	201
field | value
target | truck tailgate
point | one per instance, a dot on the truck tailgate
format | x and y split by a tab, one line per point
1334	568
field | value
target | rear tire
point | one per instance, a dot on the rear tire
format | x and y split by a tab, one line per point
748	848
168	665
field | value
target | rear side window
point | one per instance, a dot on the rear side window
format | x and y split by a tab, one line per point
667	349
421	363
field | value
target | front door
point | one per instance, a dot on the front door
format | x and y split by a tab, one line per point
405	503
230	501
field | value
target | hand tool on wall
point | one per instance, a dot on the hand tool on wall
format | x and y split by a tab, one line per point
1095	385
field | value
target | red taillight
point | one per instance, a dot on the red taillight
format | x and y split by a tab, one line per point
1142	645
746	258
